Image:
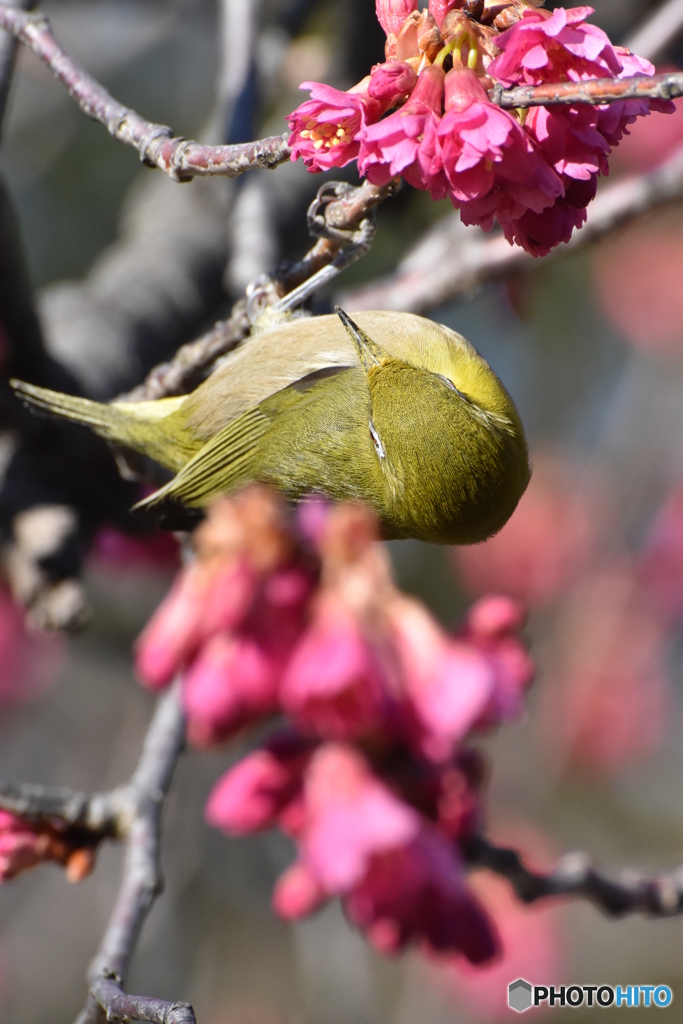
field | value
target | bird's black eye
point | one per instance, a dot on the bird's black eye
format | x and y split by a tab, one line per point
449	384
379	447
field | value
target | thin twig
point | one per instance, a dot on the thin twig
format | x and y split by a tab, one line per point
451	261
141	881
593	92
633	892
344	235
179	158
8	53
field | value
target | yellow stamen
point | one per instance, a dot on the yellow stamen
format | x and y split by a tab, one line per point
456	41
472	56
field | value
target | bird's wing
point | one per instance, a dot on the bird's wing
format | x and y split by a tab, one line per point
279	356
264	364
221	464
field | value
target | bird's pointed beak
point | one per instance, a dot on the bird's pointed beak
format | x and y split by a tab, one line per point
369	352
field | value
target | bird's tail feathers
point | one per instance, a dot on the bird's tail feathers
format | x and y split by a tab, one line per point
102	418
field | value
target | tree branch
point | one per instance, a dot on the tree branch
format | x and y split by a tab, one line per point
179	158
574	875
451	260
595	91
182	160
141	882
339	216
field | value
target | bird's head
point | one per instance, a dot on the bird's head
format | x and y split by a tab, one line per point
446	435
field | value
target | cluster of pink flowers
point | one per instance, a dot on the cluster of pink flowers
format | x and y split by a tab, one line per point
534	172
369	775
24	844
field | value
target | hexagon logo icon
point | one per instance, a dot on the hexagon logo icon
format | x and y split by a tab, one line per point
519	995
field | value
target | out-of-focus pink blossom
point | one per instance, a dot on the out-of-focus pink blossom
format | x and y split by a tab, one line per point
609	704
391	14
235	678
491	627
637	283
244	542
406	142
29	662
201	601
417	893
660	564
24	845
530	942
334	683
326	128
350	817
253	793
448	684
117	550
400	880
549	539
298	893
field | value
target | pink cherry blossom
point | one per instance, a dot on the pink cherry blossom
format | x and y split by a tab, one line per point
200	602
252	794
544	47
491	164
350	817
298	893
447	684
491	627
326	128
660	565
406	142
391	14
417	893
235	678
334	683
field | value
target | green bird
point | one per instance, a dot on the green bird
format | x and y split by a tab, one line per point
392	410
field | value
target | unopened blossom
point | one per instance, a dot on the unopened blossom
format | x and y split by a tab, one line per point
25	844
243	542
391	14
492	627
325	129
406	141
660	564
391	82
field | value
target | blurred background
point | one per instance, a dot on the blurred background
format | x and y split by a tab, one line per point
127	266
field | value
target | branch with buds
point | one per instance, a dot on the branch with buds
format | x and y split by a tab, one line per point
131	814
183	159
